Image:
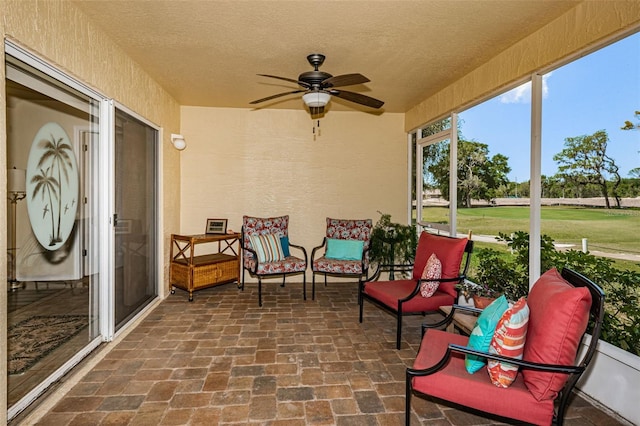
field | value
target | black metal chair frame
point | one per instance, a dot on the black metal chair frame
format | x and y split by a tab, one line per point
573	371
399	313
363	274
255	273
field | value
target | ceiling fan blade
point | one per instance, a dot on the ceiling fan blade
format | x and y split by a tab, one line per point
268	98
345	80
301	83
357	98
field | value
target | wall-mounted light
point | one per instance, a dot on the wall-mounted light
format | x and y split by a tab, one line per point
178	141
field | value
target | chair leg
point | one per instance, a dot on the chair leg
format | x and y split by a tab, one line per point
361	304
399	330
313	286
284	277
407	401
259	291
325	279
304	285
242	284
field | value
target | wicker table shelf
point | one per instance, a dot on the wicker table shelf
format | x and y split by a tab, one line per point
191	273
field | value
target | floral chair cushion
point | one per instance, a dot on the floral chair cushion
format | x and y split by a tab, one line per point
345	229
278	226
288	265
335	266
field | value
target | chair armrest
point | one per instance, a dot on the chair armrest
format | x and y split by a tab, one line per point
567	369
416	290
304	252
449	318
386	267
313	252
552	368
254	255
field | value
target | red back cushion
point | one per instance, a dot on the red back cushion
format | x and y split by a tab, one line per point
448	250
558	318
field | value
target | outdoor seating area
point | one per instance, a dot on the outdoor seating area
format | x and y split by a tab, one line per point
218	213
292	362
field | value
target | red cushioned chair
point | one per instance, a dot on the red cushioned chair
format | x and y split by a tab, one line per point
560	308
286	265
342	230
402	297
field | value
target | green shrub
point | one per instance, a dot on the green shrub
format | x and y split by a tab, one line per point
621	325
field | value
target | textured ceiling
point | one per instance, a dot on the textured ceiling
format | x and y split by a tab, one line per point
207	53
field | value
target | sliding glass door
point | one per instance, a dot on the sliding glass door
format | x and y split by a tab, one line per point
82	222
135	218
52	318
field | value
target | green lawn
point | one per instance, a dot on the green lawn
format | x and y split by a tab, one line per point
606	230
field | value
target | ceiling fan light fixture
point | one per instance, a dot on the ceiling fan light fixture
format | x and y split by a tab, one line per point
316	99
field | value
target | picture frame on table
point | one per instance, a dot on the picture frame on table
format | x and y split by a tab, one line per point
216	226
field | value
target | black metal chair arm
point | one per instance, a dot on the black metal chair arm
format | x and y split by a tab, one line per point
304	252
447	319
315	249
254	255
386	267
416	289
551	368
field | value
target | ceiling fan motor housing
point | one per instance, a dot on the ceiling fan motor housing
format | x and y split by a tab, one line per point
314	78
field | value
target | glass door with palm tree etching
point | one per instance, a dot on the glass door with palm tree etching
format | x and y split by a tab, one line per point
52	320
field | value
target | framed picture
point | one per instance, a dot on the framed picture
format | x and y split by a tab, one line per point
216	226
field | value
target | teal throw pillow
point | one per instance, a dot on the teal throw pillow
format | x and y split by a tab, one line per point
344	249
284	242
483	331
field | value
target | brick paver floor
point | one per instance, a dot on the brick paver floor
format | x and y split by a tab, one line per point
223	360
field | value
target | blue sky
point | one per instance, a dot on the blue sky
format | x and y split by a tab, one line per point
597	92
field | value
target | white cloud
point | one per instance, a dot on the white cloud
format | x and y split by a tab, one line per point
522	93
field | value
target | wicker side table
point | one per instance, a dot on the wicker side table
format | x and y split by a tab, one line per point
191	272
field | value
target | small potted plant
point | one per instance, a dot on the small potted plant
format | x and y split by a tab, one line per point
392	244
481	293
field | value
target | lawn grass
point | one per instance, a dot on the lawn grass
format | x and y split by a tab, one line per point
605	230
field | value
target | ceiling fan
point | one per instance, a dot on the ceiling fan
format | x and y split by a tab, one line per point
318	87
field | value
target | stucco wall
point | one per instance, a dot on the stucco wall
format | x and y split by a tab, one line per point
585	25
266	162
60	33
56	31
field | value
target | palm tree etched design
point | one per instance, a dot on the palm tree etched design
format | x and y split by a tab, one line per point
57	158
49	185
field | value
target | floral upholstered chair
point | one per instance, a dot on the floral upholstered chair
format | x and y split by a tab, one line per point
346	246
266	251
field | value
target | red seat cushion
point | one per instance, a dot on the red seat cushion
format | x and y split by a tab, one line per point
388	293
454	384
448	250
558	318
